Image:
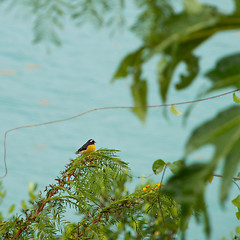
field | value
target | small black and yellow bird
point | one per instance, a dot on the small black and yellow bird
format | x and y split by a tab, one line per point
88	147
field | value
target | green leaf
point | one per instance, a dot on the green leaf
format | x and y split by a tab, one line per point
188	182
193	6
139	93
210	179
11	209
31	187
24	205
176	166
128	64
238	229
192	71
236	99
225	82
170	60
226	125
187	188
236	202
226	73
175	111
158	166
231	165
237	7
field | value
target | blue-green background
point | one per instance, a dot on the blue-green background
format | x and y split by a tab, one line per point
75	78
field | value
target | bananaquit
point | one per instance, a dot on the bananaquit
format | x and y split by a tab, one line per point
88	147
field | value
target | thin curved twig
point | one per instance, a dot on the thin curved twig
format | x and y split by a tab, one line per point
98	109
233	180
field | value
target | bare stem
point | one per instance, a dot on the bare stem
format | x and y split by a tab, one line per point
98	109
159	203
233	180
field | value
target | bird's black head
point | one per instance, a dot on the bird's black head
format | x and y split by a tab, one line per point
91	141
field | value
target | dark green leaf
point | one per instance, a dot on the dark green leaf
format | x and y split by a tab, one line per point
139	93
177	54
231	166
226	82
128	64
176	166
188	182
187	187
237	7
226	73
224	133
193	6
158	166
192	71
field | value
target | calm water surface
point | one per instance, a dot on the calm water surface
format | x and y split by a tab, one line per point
36	87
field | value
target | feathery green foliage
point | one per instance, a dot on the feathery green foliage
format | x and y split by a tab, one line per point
93	186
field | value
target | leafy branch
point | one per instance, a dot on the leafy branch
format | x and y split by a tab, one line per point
101	203
152	210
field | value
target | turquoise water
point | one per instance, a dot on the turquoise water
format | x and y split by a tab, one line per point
37	87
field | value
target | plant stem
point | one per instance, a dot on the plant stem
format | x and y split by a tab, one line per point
98	109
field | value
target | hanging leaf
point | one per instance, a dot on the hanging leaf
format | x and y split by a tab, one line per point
175	111
192	71
187	188
236	99
223	132
24	205
226	73
170	60
236	202
158	166
31	187
126	67
11	209
139	93
237	7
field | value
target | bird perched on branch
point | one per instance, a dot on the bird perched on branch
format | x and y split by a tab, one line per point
88	147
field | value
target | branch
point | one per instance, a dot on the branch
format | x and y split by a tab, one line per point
233	180
159	204
39	210
99	109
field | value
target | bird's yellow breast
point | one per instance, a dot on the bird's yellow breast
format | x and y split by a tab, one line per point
90	148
